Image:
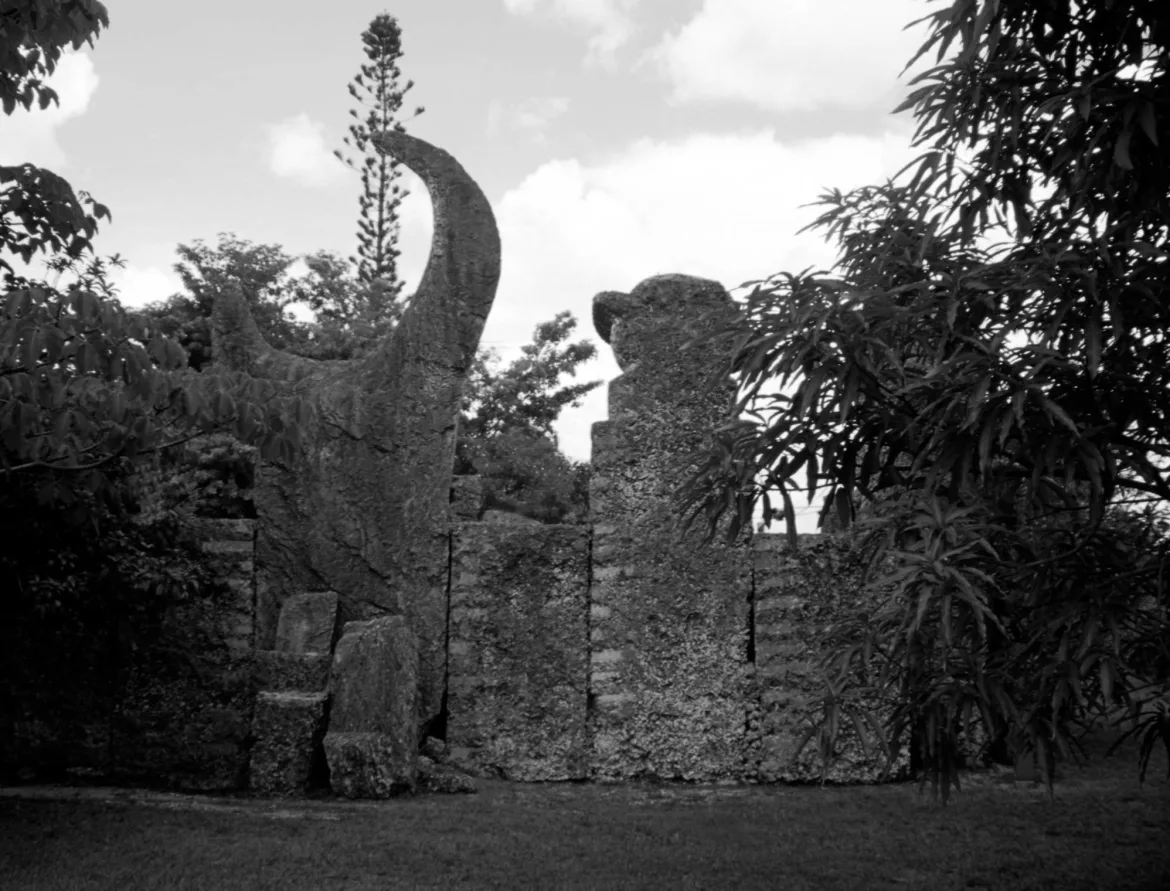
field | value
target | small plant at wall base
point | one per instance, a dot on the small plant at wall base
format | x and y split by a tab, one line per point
998	411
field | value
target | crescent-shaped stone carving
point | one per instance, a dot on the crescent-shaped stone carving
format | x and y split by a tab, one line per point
364	511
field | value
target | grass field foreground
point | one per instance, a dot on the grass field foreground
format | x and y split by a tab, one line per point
1102	831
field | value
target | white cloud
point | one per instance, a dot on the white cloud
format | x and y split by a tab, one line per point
138	286
31	136
725	207
297	149
795	55
609	19
531	116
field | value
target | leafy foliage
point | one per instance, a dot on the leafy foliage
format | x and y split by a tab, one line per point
987	373
506	433
527	395
350	316
32	35
210	476
381	195
40	212
86	388
38	209
82	384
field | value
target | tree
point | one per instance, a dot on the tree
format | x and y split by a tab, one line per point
506	433
83	385
350	316
987	372
38	209
32	36
381	195
205	272
527	395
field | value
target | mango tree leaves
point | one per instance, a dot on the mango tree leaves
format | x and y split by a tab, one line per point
988	367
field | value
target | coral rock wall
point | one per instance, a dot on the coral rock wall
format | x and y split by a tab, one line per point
164	699
518	650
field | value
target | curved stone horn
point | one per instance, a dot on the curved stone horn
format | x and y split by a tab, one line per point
459	283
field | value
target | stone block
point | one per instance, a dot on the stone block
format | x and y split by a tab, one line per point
307	623
519	629
289	672
288	728
369	765
372	743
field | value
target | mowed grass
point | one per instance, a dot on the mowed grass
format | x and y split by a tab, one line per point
1101	831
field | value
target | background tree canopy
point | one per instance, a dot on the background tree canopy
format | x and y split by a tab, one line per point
986	375
506	434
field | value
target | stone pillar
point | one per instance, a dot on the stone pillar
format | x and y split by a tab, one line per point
669	617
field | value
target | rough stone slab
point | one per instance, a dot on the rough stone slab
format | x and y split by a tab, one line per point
289	672
518	684
374	679
307	623
288	728
373	721
369	765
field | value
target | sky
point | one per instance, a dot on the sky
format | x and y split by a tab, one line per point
615	139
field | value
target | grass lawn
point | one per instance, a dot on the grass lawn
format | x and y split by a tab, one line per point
1101	831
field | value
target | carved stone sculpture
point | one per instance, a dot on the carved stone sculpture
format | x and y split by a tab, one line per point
364	511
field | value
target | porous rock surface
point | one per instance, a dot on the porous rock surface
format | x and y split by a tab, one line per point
278	672
288	728
364	510
668	618
307	623
519	650
372	742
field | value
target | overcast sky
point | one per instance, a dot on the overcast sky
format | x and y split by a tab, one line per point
615	139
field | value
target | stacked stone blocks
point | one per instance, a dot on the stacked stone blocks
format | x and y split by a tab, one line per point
291	710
